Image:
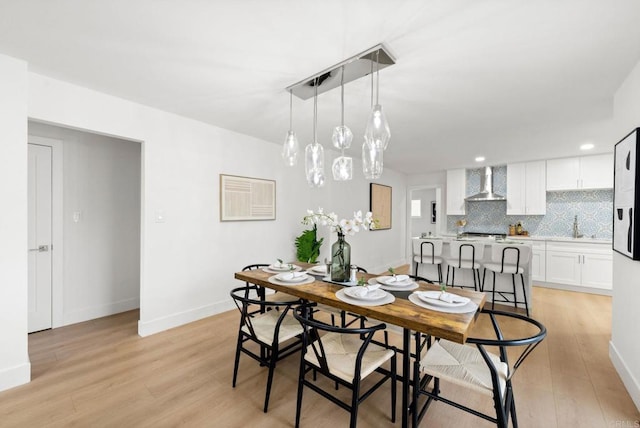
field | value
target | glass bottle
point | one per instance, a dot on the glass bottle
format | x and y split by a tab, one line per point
340	259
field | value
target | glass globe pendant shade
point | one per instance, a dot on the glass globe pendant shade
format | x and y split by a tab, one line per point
372	161
377	131
342	137
342	168
314	164
290	149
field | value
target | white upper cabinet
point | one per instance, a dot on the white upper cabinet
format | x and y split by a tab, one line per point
586	172
456	191
526	188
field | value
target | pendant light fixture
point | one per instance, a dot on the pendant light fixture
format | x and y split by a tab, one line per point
314	152
291	146
342	167
377	131
377	134
372	158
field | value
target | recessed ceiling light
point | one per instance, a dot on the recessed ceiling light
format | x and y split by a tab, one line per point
587	146
480	159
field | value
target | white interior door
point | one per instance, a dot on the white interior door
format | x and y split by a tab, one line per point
39	237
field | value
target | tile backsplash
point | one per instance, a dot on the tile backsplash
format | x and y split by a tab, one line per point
594	209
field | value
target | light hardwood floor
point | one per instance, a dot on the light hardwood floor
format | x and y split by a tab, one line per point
102	374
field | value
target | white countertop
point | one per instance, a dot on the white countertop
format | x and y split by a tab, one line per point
586	240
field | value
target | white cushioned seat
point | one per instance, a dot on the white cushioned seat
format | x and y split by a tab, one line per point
463	365
428	260
341	351
264	326
497	267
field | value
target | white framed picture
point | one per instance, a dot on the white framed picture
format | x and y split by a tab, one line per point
247	198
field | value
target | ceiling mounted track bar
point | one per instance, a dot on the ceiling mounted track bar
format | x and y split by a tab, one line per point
354	68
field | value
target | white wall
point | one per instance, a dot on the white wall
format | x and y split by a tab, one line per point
624	348
187	261
101	257
14	359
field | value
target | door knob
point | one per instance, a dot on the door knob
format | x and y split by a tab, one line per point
40	249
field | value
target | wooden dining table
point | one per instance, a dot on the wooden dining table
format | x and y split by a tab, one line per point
402	313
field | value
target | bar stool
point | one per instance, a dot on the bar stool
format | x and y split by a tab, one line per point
465	255
428	252
508	259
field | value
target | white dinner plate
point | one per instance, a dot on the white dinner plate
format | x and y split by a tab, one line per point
469	307
386	280
270	270
389	298
371	295
280	268
432	297
308	280
319	270
286	277
411	286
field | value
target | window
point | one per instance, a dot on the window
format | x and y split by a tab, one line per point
416	208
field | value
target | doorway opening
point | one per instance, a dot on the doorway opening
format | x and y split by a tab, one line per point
95	223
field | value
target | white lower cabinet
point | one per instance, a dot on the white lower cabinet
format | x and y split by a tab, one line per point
538	261
580	264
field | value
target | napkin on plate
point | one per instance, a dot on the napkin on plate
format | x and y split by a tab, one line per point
319	269
289	276
445	297
362	291
397	278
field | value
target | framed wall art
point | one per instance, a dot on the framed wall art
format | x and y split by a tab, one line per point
626	190
246	198
434	215
380	205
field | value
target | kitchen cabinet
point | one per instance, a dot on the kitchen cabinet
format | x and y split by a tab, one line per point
580	264
585	172
526	188
538	261
456	191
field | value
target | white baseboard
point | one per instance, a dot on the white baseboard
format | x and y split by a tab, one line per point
147	328
578	289
15	376
630	382
94	312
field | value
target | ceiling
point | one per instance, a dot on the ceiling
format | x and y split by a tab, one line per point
510	80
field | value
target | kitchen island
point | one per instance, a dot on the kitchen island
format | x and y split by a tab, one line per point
465	276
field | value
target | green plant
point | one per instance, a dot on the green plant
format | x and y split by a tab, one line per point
362	281
308	246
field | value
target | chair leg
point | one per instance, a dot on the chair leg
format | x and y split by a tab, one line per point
475	283
300	387
493	292
393	388
439	274
524	293
272	366
484	274
355	399
447	281
513	281
514	418
415	269
237	361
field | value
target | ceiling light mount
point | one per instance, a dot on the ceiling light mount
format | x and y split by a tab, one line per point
355	67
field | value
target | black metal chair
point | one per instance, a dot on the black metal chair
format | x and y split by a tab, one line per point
508	259
465	255
473	367
427	252
270	330
346	356
272	297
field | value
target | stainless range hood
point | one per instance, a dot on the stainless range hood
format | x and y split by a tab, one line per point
486	188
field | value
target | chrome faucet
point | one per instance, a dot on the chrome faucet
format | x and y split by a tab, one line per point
576	231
